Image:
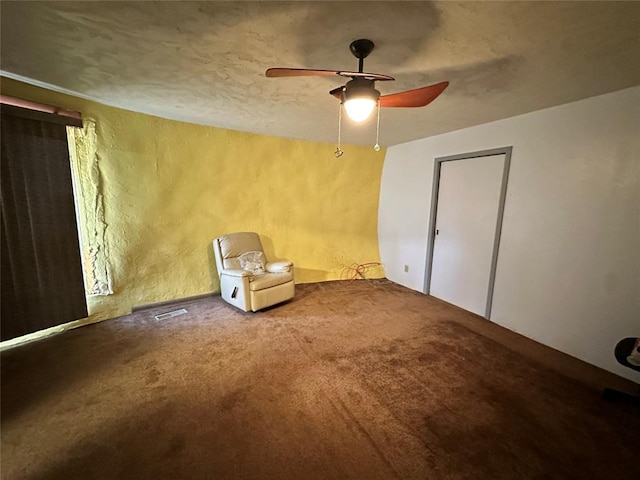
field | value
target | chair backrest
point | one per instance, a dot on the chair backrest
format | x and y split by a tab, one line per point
228	248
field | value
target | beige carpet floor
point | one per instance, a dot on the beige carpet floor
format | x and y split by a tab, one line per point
350	380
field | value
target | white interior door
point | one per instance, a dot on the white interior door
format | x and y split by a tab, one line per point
467	214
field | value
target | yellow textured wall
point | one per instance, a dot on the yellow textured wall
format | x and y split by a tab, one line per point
169	188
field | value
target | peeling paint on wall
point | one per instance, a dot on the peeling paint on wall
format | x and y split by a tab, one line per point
88	192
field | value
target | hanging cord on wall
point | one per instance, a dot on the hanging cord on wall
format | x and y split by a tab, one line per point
338	153
376	147
357	270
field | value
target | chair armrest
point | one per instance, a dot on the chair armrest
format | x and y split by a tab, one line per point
236	272
279	267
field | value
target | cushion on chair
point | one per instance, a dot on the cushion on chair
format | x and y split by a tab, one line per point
269	280
253	262
235	244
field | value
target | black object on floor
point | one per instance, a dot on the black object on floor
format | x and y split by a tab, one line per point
627	353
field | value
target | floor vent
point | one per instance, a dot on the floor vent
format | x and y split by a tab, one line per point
175	313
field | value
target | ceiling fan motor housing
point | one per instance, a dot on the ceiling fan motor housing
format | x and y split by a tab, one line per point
360	88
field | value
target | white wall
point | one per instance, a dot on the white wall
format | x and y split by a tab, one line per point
568	270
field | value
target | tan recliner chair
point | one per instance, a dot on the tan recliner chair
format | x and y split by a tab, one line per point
244	289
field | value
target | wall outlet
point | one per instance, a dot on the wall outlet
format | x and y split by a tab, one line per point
406	268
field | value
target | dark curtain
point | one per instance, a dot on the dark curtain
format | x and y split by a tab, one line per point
42	283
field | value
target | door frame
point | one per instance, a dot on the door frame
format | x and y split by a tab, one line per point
437	166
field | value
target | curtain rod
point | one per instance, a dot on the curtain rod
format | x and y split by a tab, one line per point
40	107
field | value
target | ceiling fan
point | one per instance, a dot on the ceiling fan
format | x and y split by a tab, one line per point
359	94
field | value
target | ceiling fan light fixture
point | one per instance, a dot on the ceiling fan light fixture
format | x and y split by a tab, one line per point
360	98
359	109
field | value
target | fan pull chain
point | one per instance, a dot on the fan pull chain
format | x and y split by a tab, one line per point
338	153
376	147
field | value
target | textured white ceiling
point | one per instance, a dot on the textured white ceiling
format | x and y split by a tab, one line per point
204	62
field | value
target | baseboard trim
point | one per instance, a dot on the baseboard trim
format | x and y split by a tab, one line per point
176	301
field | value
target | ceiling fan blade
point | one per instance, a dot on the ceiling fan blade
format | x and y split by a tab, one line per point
418	97
307	72
298	72
368	76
